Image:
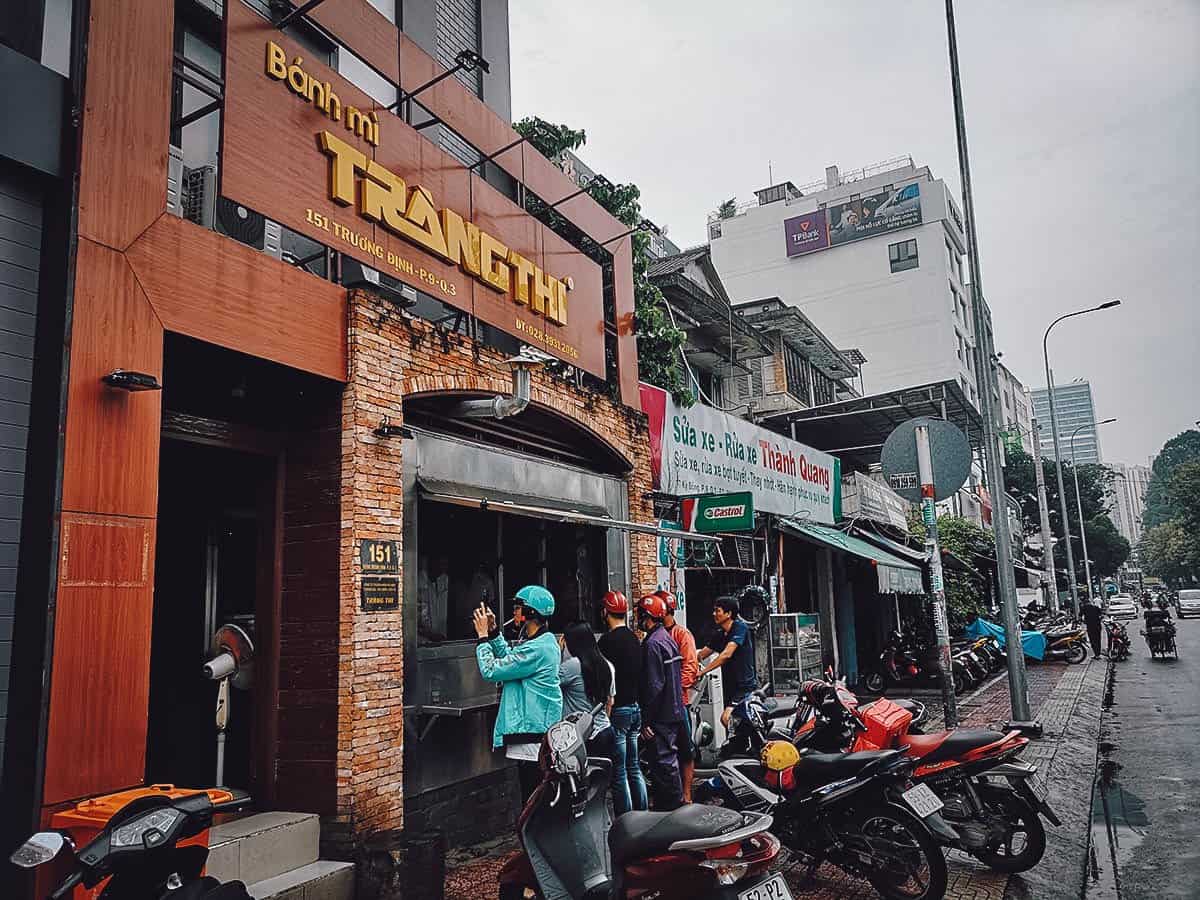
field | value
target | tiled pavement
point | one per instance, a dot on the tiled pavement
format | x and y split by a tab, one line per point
1055	694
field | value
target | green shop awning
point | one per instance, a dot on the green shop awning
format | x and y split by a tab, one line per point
895	575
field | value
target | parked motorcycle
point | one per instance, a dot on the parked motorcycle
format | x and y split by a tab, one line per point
1069	642
571	848
988	798
1118	640
858	811
904	662
143	853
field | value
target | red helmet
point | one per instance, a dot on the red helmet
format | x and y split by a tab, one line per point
654	606
615	603
669	599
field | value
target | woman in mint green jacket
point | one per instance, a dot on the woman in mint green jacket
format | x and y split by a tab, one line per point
531	700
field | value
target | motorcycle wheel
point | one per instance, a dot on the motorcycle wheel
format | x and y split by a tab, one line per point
873	682
918	871
1078	653
1024	822
959	684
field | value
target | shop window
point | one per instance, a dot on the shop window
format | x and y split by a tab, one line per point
195	108
365	78
386	7
303	252
903	255
470	556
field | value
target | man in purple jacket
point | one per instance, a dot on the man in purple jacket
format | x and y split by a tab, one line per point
661	702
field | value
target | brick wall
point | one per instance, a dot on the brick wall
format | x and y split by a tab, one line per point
393	355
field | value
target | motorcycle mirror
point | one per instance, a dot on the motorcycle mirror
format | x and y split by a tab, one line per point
40	848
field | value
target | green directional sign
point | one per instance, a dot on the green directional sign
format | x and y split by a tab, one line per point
713	513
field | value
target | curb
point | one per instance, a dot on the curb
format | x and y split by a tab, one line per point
1069	773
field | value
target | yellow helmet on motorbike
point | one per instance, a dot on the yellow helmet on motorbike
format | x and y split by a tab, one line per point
779	755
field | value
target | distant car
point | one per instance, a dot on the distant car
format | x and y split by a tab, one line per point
1188	604
1121	606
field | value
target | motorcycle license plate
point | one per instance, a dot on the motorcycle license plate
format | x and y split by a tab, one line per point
774	888
922	800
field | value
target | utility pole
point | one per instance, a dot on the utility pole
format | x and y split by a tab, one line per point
985	371
1049	578
941	624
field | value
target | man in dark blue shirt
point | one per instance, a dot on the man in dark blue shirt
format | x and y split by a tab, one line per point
735	659
661	702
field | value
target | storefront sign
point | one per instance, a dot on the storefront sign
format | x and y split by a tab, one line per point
701	450
305	147
379	557
380	594
713	513
864	497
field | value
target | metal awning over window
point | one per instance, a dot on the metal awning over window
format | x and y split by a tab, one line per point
481	500
895	575
917	557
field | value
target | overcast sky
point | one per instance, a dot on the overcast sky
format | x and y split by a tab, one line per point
1084	124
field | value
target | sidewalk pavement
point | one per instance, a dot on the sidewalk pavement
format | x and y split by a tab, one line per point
1065	699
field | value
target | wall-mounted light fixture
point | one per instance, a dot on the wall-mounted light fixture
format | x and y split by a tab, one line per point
387	430
465	61
358	275
598	181
644	225
131	381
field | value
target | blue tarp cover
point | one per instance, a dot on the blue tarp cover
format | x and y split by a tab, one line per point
1032	642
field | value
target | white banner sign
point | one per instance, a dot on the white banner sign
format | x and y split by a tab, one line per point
701	450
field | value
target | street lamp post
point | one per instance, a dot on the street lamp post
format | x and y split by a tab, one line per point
1049	578
1062	494
1087	563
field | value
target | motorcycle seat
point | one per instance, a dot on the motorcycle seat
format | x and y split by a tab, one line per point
931	748
818	769
646	833
783	711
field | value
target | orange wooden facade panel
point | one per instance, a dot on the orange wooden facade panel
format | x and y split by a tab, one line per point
127	113
100	689
270	158
111	461
363	28
208	286
627	350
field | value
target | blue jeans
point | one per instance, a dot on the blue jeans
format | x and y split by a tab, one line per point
629	787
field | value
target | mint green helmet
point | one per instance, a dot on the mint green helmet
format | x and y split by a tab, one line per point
538	599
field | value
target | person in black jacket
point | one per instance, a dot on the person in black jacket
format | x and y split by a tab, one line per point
662	702
1092	614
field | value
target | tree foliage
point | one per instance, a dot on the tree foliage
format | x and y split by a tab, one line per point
1170	548
1107	549
967	593
550	140
1181	449
660	342
727	209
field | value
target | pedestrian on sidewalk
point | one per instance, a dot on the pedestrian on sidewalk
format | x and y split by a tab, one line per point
737	656
621	648
689	669
1092	614
587	680
662	702
531	700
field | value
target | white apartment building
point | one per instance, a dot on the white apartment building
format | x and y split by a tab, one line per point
875	258
1129	502
1016	418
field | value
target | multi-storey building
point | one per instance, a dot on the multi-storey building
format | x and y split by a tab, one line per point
875	257
1076	412
1016	421
1129	498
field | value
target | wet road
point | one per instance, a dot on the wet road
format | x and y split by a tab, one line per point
1146	809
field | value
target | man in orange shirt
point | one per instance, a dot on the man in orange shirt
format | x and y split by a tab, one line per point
688	672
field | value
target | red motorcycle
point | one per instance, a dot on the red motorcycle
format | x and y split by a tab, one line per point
988	798
571	848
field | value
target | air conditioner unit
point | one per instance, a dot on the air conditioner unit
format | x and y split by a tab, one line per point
198	195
